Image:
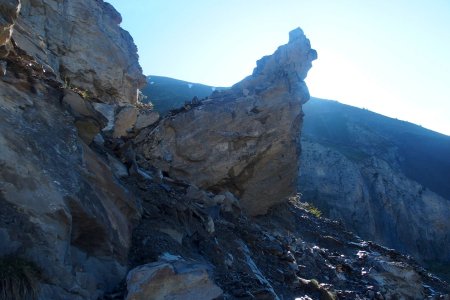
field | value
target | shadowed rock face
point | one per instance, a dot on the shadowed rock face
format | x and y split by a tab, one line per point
245	139
82	43
9	10
387	180
60	204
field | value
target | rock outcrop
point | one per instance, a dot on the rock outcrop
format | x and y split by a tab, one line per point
78	208
377	202
354	168
286	254
9	11
171	278
61	206
82	44
245	139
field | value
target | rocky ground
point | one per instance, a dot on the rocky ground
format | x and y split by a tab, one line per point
288	253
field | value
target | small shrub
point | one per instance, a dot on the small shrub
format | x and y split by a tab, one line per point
313	210
84	94
19	279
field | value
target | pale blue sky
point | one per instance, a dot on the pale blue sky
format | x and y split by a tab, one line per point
392	57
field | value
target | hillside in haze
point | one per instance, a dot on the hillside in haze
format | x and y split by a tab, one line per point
385	179
421	154
167	93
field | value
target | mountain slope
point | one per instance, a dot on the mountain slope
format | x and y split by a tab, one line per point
423	155
385	179
167	93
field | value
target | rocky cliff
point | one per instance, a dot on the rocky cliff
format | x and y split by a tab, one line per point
362	168
82	44
83	215
60	205
244	140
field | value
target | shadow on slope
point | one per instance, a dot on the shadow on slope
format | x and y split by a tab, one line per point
422	155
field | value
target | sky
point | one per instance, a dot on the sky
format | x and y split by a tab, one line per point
391	57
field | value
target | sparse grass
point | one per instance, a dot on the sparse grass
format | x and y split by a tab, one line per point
19	279
84	94
313	210
297	201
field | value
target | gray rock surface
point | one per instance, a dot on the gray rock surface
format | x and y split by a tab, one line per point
171	278
376	201
146	118
286	254
9	11
125	121
82	44
60	205
385	179
63	208
245	139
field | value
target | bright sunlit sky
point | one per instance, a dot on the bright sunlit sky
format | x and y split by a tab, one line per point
391	57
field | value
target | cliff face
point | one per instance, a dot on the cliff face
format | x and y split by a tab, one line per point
244	140
60	205
355	168
82	44
83	216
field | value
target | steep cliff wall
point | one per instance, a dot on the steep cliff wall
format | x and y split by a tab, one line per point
60	205
245	139
355	168
82	44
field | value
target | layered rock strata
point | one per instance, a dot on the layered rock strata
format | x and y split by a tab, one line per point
244	140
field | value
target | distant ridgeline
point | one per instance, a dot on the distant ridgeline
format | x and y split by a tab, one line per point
421	154
385	179
167	93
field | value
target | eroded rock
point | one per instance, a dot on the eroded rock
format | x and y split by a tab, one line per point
125	121
146	118
377	201
9	11
75	219
171	278
83	44
60	204
245	139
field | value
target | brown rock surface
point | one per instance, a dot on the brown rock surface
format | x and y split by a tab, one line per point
245	139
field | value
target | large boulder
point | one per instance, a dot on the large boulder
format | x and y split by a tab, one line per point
171	278
244	140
